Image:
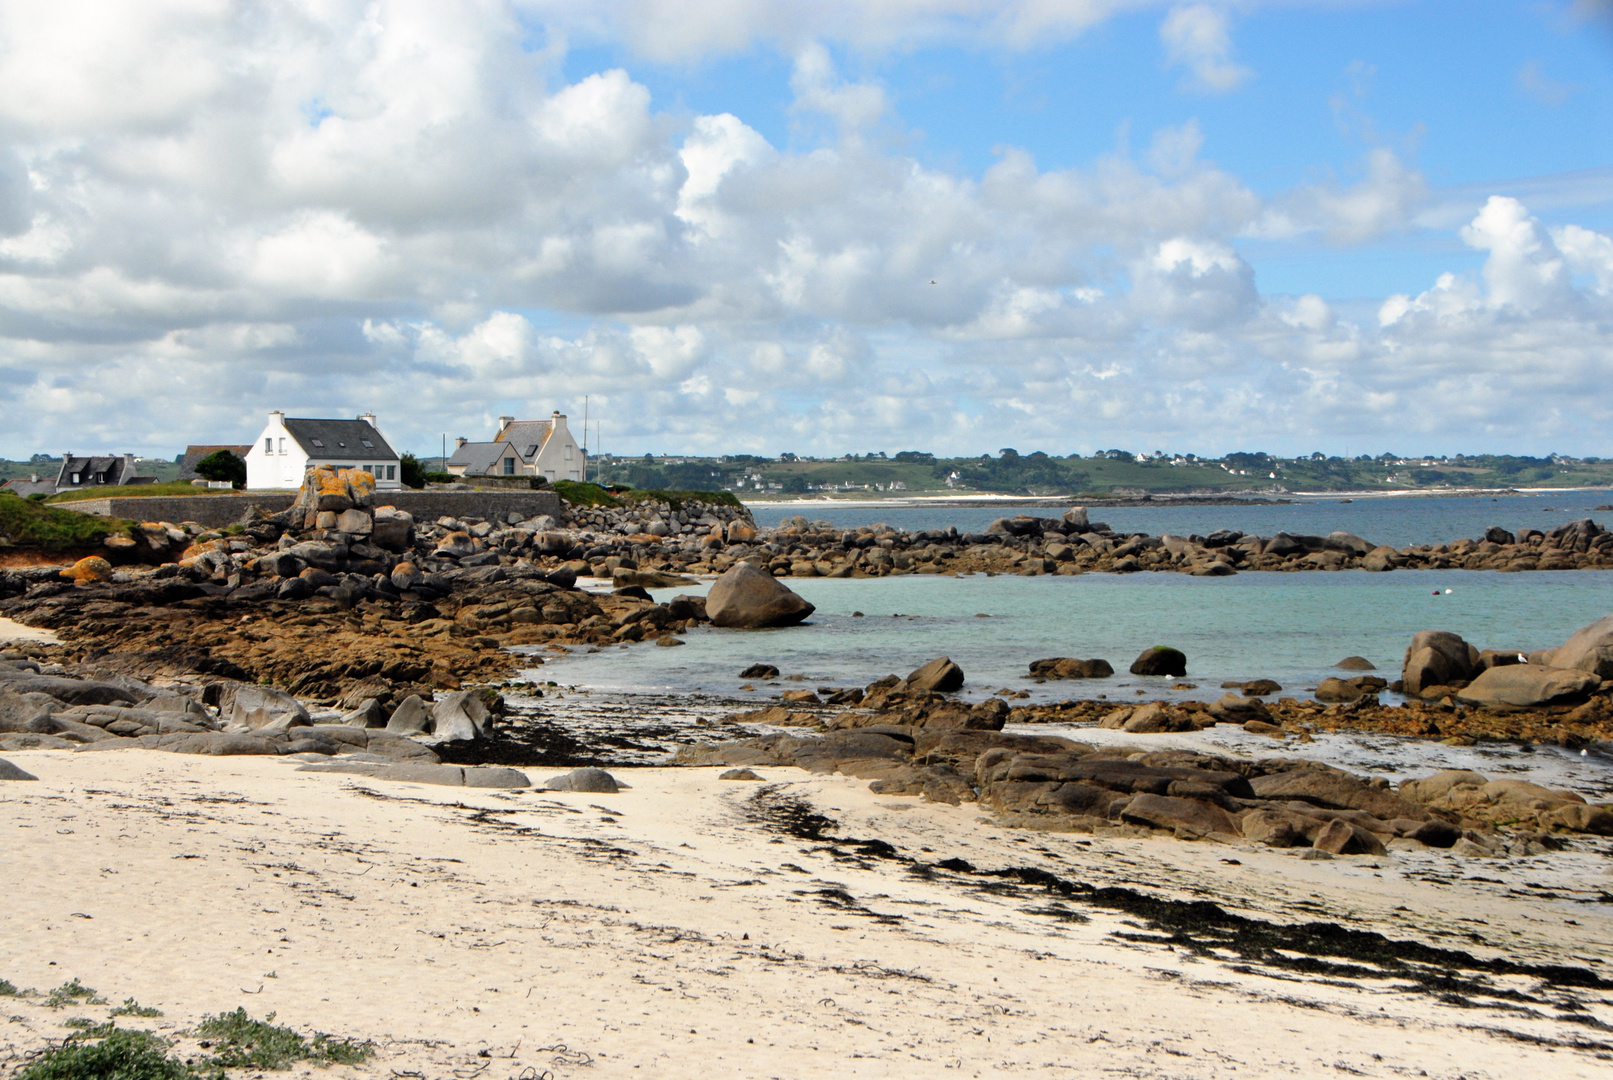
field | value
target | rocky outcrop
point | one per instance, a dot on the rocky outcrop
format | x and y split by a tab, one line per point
1437	658
744	597
1528	686
1057	783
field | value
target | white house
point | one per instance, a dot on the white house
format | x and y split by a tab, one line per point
288	447
523	448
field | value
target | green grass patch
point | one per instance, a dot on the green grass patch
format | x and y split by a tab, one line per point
73	993
30	524
133	491
117	1055
579	494
9	989
242	1042
131	1007
676	499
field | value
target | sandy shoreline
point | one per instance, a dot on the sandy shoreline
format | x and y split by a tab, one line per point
678	929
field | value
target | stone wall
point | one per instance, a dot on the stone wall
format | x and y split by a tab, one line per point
217	511
213	511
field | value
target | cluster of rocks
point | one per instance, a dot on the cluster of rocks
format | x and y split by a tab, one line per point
44	707
339	599
1050	782
1439	664
1072	544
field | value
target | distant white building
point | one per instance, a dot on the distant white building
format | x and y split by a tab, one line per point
289	446
543	448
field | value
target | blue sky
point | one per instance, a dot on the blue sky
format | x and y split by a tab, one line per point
1280	225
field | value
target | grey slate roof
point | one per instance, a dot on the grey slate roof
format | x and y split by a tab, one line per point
482	458
93	470
528	437
25	488
343	439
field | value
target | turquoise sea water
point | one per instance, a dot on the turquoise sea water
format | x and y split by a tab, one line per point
1397	521
1290	627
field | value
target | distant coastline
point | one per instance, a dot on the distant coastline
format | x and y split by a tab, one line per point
986	499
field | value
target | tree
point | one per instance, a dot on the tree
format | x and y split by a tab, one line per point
223	465
413	475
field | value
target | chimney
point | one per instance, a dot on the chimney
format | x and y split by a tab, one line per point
368	418
277	417
460	441
503	424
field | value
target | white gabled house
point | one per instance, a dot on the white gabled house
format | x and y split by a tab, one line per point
523	448
288	447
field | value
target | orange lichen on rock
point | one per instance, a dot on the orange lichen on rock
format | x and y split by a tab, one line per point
87	570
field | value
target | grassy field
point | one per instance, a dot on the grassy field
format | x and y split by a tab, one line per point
133	491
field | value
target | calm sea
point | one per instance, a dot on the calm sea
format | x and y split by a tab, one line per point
1289	627
1397	521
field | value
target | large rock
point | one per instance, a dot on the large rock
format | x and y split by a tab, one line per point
1334	790
1590	649
1437	658
1069	667
1076	521
8	771
939	676
596	781
261	708
1160	660
411	717
458	717
1188	816
747	598
89	570
1527	686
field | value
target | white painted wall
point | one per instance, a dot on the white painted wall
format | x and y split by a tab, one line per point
278	462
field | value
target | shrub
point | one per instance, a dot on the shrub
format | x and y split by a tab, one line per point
578	493
120	1055
29	524
131	1007
73	992
243	1042
223	465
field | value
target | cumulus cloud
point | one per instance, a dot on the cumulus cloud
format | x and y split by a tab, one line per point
1197	37
209	210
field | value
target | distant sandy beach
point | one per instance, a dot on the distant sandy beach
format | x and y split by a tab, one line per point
690	927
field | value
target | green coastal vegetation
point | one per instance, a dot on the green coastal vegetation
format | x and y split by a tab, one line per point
1115	473
30	523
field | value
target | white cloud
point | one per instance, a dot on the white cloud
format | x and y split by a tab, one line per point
349	204
819	88
1196	37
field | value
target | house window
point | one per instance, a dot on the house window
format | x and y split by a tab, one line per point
391	472
367	444
568	451
282	446
268	446
509	466
75	478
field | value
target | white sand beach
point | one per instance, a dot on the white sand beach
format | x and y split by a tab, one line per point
674	930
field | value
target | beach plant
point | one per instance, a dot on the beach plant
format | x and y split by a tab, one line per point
73	992
112	1055
82	1023
9	989
242	1042
131	1007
